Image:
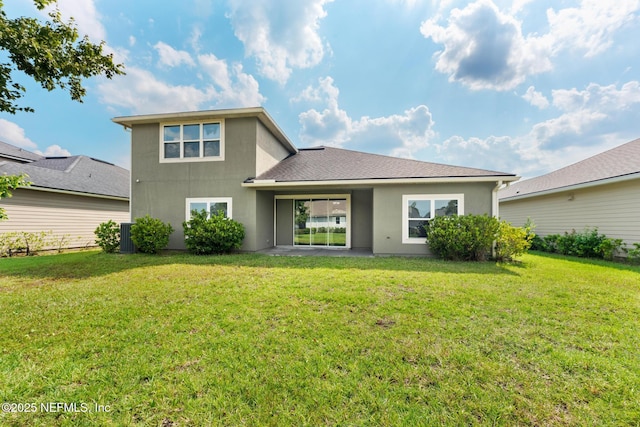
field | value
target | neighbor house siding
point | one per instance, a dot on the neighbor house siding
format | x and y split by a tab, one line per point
614	209
388	219
71	217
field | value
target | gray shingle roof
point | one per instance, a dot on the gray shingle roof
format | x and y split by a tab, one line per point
21	155
79	174
331	164
617	162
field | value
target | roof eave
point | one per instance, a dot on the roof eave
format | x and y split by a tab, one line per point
74	193
269	183
573	187
259	112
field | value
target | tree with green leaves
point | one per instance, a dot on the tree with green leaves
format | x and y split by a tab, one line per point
8	183
49	52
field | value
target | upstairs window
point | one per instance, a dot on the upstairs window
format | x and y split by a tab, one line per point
192	142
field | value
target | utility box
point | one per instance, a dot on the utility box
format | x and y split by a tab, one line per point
126	244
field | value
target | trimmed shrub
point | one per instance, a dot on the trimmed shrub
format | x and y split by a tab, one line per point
214	235
108	236
150	235
465	237
512	241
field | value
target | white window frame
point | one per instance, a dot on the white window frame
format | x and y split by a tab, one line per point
183	159
209	201
431	197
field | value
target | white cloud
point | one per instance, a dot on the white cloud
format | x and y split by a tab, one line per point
233	86
132	41
280	36
484	47
537	99
591	26
13	134
85	15
141	92
398	134
54	151
171	57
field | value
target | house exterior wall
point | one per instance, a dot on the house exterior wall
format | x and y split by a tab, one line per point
388	219
613	208
269	152
362	219
73	216
161	189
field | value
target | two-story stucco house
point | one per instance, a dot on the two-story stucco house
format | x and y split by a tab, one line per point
240	161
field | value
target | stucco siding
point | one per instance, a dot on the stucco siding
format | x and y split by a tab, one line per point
71	217
161	189
269	151
614	209
388	218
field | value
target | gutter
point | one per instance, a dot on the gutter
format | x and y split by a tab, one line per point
266	183
75	193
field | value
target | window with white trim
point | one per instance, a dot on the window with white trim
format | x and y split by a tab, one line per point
212	205
192	142
418	209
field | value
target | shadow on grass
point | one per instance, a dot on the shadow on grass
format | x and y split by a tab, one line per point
616	265
79	265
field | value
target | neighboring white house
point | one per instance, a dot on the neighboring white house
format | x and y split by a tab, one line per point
69	196
602	191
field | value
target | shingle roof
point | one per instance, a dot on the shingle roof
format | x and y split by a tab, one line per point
617	162
79	174
21	155
334	164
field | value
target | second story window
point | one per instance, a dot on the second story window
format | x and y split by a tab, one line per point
192	142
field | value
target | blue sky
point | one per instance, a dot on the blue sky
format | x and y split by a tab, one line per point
517	86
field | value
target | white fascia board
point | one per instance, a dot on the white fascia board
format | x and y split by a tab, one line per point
583	185
385	181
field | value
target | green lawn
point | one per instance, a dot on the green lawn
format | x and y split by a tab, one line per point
258	340
333	239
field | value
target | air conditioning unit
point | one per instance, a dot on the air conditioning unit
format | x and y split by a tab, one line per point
126	244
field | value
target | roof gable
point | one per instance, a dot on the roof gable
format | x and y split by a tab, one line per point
336	164
618	162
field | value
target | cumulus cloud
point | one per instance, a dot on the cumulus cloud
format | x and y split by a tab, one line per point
485	48
86	17
535	98
13	134
171	57
223	86
54	151
280	37
398	134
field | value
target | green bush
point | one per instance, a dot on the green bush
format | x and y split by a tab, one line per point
29	243
150	235
108	236
214	235
587	244
512	241
464	237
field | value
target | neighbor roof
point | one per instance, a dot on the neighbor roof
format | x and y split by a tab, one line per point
322	164
618	163
76	174
11	152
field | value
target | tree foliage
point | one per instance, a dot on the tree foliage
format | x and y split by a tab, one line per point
8	183
49	52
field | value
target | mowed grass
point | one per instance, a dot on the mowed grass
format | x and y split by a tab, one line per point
259	340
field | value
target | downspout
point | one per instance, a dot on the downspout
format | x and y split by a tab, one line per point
495	211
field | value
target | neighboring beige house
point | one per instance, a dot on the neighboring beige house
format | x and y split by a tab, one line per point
239	161
69	196
602	191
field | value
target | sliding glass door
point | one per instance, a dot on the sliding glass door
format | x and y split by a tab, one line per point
320	222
